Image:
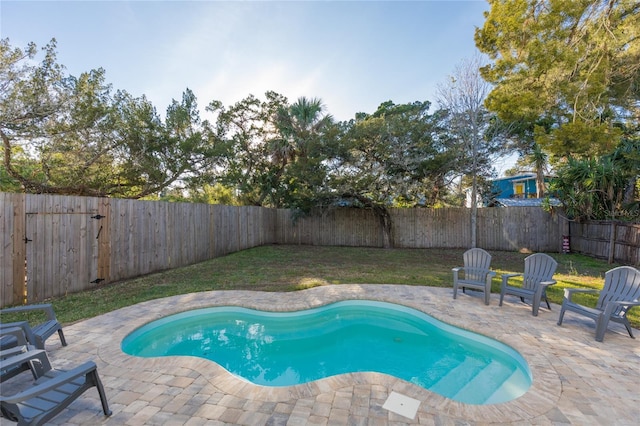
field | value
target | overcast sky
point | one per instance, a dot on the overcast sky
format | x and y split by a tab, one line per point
353	55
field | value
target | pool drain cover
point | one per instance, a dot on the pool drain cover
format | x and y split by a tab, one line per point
402	404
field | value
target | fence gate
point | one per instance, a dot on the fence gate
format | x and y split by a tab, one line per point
62	240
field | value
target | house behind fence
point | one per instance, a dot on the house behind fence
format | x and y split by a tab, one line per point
54	245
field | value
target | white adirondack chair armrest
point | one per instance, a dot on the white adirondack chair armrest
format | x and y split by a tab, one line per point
457	269
50	384
568	292
547	283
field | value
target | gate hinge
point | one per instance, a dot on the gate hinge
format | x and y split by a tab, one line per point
97	281
26	240
98	216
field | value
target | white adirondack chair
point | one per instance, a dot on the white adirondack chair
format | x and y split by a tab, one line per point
474	274
538	275
620	293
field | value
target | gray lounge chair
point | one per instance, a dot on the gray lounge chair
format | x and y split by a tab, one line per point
620	293
50	394
538	275
35	335
474	274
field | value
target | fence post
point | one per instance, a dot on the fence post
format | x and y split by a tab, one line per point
104	241
19	249
612	242
565	231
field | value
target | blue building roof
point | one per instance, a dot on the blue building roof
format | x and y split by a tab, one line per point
525	202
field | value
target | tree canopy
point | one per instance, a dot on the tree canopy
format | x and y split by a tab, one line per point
76	136
571	69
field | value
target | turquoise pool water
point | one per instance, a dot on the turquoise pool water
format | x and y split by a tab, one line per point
289	348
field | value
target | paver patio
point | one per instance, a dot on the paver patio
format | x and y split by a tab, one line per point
576	380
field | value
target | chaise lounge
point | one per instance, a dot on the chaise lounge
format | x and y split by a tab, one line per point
36	335
51	393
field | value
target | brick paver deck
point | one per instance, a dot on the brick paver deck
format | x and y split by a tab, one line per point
576	380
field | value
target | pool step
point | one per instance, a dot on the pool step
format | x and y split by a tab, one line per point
486	382
511	388
474	382
451	383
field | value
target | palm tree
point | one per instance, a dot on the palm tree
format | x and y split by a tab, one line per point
297	149
539	161
299	125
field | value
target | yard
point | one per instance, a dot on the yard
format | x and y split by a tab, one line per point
289	268
189	389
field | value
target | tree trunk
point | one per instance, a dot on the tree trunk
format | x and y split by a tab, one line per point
387	226
539	183
474	212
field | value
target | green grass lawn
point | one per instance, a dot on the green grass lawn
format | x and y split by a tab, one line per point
290	268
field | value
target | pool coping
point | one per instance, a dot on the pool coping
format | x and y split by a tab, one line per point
575	378
541	397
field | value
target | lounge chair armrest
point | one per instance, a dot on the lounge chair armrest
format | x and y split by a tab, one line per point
568	292
37	357
17	332
16	350
46	307
26	329
457	269
50	384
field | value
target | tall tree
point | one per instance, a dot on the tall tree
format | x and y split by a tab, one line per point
306	137
396	156
470	124
253	159
30	97
539	161
300	124
575	64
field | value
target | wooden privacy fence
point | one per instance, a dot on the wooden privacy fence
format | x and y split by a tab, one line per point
55	245
611	240
515	228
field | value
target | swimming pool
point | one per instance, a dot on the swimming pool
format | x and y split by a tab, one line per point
289	348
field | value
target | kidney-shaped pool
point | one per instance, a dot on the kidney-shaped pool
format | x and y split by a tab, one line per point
290	348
